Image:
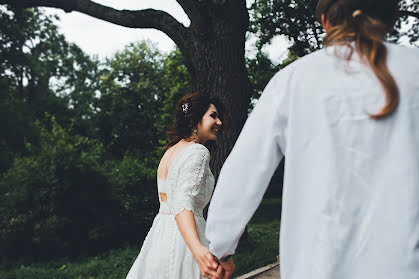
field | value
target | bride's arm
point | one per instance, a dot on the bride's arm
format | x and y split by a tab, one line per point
188	185
187	227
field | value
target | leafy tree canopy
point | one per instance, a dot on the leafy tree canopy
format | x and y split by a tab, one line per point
39	72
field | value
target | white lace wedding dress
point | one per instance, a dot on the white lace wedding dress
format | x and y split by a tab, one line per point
189	185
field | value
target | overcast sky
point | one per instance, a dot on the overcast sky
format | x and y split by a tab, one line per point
97	37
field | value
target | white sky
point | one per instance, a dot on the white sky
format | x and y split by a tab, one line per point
97	37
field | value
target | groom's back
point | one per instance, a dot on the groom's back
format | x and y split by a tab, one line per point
351	195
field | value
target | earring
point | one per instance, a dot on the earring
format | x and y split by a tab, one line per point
195	131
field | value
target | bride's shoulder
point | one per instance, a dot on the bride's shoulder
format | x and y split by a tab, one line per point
197	147
196	151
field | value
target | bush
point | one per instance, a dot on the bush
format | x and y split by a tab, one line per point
134	187
115	264
56	201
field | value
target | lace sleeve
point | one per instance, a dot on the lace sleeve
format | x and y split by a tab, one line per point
190	177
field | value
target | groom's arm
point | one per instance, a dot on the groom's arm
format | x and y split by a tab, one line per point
247	171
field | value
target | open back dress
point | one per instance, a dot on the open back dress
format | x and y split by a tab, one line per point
188	186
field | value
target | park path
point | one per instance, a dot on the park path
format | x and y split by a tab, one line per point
270	271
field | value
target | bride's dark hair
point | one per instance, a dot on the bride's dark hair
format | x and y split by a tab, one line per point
189	112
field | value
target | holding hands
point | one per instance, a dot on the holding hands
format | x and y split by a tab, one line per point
207	263
228	268
210	266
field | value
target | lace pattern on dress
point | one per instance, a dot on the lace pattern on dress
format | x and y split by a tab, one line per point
189	183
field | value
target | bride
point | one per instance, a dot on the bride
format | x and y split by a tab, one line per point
176	242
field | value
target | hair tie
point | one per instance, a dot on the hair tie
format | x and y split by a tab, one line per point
357	13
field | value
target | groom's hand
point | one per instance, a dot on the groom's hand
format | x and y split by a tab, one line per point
207	263
228	268
219	273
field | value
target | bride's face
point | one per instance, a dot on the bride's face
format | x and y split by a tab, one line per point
209	125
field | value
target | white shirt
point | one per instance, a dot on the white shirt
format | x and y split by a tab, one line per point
351	183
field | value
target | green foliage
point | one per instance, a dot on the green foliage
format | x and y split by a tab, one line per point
294	19
134	187
261	70
56	200
61	199
39	64
13	126
131	91
115	264
39	72
177	85
139	89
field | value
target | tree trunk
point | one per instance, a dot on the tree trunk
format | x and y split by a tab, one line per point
217	68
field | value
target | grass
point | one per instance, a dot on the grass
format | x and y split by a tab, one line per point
263	230
261	249
265	240
112	264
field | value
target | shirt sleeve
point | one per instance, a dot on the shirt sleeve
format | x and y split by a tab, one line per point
247	171
191	173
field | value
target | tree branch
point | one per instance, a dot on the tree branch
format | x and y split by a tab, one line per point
148	18
191	8
409	13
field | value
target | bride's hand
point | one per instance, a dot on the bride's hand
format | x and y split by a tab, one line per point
207	264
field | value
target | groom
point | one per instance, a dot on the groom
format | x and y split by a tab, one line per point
346	213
